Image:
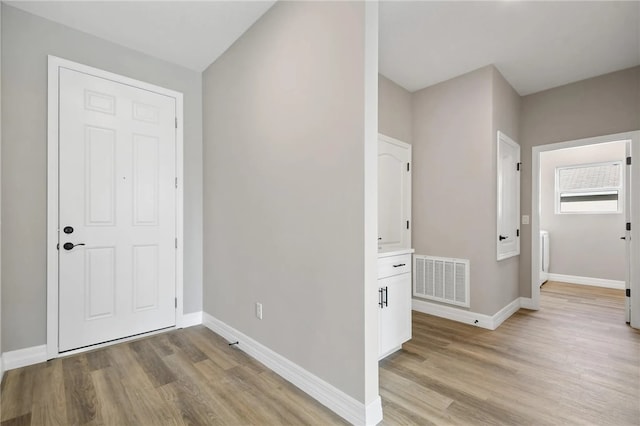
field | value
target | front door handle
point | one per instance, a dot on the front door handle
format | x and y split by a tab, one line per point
502	238
70	246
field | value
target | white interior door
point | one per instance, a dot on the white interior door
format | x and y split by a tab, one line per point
394	194
117	210
508	228
628	181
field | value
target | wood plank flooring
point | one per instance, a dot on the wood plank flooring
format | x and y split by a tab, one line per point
183	377
573	362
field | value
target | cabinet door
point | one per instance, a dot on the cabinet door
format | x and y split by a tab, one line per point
394	194
508	238
395	316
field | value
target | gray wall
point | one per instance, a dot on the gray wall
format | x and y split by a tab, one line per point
505	118
453	208
284	187
455	126
26	42
583	245
598	106
394	110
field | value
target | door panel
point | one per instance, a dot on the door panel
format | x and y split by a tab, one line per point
508	217
100	147
394	319
146	170
394	194
117	191
99	282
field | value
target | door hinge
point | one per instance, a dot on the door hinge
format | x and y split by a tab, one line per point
407	224
518	166
408	168
628	226
176	182
176	302
628	161
176	243
517	232
176	122
628	292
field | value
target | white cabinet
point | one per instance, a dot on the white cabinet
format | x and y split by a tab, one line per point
508	195
394	194
394	301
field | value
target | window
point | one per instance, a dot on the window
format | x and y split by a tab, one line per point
589	188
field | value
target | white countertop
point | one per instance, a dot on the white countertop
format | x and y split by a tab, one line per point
394	252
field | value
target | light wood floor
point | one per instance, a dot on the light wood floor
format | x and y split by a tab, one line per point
572	362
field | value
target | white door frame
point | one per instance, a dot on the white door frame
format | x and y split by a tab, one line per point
535	214
54	64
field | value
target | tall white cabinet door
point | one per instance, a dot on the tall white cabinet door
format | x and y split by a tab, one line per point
117	210
394	193
394	320
508	195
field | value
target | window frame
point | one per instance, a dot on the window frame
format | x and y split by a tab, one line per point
619	189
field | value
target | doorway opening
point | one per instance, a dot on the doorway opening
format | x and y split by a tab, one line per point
581	205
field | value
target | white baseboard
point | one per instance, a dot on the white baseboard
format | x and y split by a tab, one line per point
373	412
191	319
490	322
596	282
1	368
24	357
328	395
503	314
527	303
454	314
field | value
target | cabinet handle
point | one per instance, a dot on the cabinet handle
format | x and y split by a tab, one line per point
380	302
399	265
386	296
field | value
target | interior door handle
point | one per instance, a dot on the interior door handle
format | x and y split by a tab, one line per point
70	246
502	238
623	238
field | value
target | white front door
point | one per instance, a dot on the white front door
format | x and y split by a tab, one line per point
117	210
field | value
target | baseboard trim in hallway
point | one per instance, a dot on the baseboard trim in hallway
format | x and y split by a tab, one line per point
331	397
24	357
595	282
490	322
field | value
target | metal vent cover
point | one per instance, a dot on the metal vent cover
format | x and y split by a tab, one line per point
441	279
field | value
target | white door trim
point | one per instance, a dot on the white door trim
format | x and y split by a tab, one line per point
535	213
54	64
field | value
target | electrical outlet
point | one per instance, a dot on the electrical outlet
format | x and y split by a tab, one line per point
525	219
259	310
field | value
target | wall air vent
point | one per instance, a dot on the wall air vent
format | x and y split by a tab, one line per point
441	279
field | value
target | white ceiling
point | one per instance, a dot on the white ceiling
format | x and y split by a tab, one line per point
536	45
189	33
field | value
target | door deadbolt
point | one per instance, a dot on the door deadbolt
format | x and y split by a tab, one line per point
68	230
